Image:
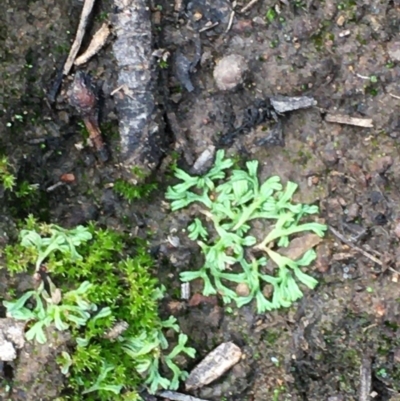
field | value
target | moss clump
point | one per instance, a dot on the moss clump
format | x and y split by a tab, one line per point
121	346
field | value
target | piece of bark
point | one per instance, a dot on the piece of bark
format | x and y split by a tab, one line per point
282	104
204	161
140	119
344	119
98	41
214	365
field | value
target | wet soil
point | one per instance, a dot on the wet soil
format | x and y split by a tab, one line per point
344	54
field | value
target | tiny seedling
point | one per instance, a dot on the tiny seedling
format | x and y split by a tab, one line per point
230	204
57	239
7	178
71	309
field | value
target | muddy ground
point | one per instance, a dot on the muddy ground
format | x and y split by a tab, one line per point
344	54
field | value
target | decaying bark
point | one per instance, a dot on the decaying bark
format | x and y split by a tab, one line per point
140	120
214	365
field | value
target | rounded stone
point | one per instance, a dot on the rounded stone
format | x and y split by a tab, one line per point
229	72
242	290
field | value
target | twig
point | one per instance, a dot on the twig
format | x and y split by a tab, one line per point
231	17
249	5
208	27
363	77
343	119
365	380
173	395
355	247
396	97
84	19
98	41
54	186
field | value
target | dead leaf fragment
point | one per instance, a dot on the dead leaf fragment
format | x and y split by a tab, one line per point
214	365
299	246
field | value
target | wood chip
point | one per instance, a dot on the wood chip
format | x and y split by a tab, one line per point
282	104
214	365
343	119
98	41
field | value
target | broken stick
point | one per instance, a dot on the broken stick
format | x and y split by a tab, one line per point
98	41
84	19
343	119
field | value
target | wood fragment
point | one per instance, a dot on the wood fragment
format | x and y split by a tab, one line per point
54	186
174	396
98	41
141	123
204	161
365	380
248	6
84	19
208	27
355	247
343	119
394	96
231	17
214	365
282	104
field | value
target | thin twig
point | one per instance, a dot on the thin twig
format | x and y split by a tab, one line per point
208	27
247	6
395	96
365	380
55	186
343	119
355	247
173	395
232	16
84	19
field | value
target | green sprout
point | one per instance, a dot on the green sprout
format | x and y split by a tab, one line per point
7	179
48	310
58	239
230	205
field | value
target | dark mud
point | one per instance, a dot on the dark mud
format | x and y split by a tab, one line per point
344	54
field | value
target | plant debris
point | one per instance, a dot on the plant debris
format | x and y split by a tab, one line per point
230	205
343	119
214	365
98	41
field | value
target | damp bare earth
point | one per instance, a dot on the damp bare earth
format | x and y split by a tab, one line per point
343	54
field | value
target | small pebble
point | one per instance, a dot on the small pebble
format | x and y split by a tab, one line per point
68	178
229	72
242	289
340	21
